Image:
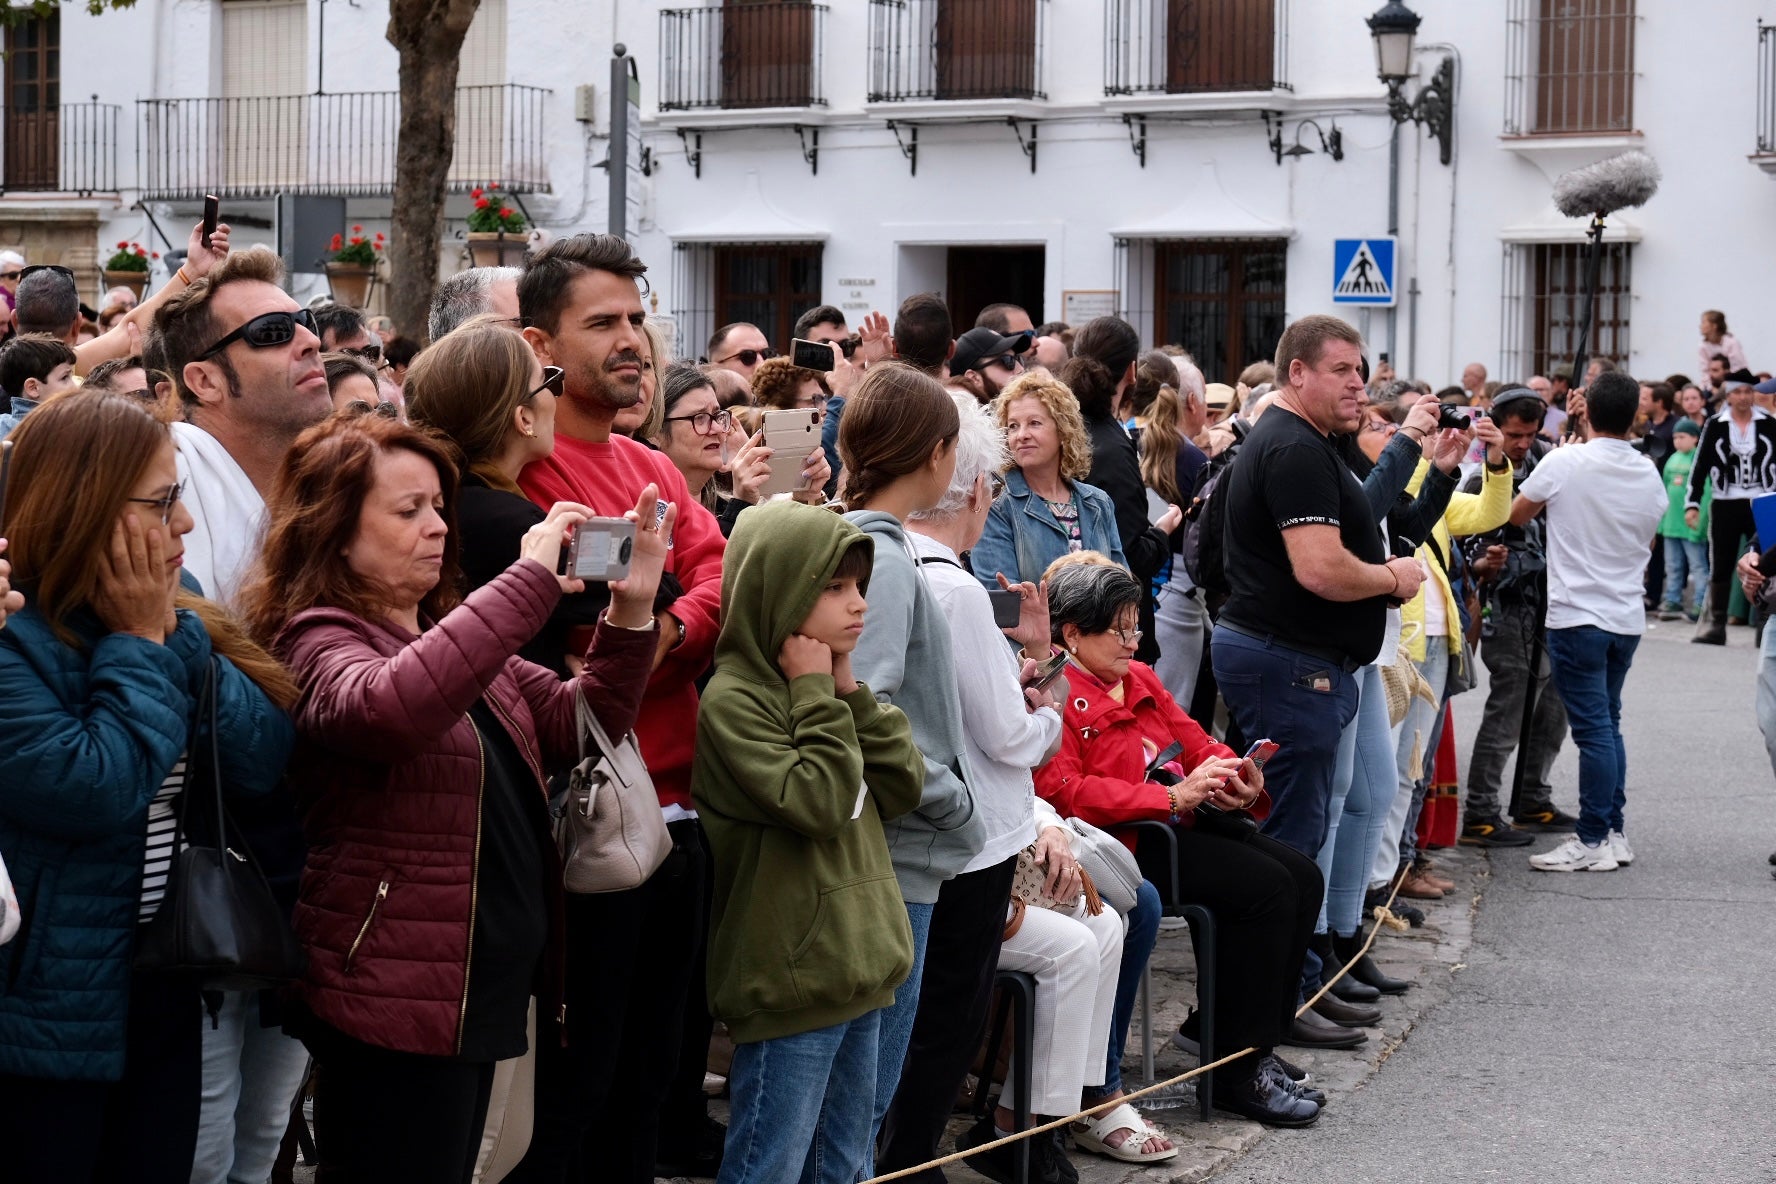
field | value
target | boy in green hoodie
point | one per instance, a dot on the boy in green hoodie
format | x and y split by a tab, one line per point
1686	550
797	765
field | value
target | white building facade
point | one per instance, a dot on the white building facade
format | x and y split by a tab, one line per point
1189	164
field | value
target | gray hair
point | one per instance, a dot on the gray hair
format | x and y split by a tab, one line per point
462	296
11	257
47	302
980	448
1190	378
1088	595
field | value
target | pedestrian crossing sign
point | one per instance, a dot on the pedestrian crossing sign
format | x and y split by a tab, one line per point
1363	271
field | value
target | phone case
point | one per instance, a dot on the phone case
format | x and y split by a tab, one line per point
786	473
792	431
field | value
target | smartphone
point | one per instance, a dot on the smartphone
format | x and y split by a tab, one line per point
5	468
1008	606
811	355
212	211
1261	751
601	549
1047	672
792	435
1384	358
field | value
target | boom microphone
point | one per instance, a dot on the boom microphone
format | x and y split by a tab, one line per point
1618	183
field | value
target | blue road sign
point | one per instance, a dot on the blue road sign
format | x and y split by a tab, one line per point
1364	271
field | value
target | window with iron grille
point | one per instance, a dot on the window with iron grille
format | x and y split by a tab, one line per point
1544	295
1221	299
765	284
1569	67
1183	46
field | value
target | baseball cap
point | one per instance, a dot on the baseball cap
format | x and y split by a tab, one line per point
981	343
1687	426
1561	370
1766	387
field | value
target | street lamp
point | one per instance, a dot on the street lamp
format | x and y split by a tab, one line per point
1395	31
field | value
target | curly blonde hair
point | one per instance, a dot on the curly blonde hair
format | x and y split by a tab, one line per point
1062	407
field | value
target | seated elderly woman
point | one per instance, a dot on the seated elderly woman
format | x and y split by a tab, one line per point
1129	753
1046	510
1078	959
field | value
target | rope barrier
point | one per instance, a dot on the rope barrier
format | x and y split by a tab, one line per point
958	1156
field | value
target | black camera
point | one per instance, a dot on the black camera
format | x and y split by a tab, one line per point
1453	417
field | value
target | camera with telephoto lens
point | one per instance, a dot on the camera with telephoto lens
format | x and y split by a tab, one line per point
600	550
1459	418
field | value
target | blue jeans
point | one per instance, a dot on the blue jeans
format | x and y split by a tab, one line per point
250	1077
897	1021
1367	779
1684	559
1137	947
1304	704
1589	667
800	1108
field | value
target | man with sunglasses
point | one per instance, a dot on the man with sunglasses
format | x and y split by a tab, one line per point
11	264
739	347
986	362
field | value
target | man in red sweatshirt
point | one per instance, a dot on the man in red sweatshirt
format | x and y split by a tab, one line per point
632	955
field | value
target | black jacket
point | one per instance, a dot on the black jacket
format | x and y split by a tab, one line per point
1715	460
1116	469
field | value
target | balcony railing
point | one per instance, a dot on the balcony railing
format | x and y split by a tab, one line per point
957	49
68	148
332	144
1569	67
1766	92
1191	46
742	55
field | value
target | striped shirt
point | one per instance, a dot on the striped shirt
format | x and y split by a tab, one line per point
163	827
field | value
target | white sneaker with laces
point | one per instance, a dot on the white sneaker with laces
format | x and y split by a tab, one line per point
1576	856
1619	848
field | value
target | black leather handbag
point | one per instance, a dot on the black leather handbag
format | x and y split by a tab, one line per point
219	923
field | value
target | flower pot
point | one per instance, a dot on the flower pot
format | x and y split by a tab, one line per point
351	283
497	248
135	281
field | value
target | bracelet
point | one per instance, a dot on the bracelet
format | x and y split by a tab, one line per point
180	275
1172	800
1395	590
632	628
1407	432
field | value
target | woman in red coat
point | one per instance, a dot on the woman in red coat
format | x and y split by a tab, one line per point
1128	753
431	904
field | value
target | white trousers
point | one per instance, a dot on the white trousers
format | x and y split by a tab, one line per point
1075	958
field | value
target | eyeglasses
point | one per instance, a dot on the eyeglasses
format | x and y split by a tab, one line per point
1380	425
1009	361
370	353
145	394
554	381
163	504
997	487
747	357
266	331
1130	638
10	275
705	423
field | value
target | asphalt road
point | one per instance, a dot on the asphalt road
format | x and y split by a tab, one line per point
1608	1026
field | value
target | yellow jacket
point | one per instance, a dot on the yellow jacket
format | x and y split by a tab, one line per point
1468	513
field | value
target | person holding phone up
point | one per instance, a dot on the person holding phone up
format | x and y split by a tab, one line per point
1114	767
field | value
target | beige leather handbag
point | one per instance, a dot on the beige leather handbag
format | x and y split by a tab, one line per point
610	831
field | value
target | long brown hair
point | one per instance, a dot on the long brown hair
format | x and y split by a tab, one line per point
1159	444
75	461
465	387
312	516
893	422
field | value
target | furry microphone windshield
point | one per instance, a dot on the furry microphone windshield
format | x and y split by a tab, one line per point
1618	183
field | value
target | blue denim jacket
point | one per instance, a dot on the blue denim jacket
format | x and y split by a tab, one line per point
20	406
1022	537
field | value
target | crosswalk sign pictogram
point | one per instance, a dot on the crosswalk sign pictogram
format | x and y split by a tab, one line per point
1363	270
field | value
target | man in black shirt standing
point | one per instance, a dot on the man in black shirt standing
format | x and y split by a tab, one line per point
1309	575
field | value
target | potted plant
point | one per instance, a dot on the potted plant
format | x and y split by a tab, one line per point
128	267
351	273
498	233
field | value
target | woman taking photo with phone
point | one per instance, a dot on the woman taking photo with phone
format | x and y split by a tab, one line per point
101	673
1128	754
432	901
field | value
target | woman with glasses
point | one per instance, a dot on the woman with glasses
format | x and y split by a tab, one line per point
1045	510
101	674
1129	753
351	379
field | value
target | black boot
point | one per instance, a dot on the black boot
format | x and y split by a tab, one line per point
1346	988
1364	969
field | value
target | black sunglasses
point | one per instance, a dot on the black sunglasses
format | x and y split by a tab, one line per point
37	267
747	357
265	331
370	353
849	346
554	381
1009	361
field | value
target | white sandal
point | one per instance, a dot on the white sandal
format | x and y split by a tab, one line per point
1091	1136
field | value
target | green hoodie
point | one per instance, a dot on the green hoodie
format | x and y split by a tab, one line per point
808	928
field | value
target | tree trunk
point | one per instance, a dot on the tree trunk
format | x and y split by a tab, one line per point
429	35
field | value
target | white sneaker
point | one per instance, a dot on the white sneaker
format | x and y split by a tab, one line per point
1619	848
1576	856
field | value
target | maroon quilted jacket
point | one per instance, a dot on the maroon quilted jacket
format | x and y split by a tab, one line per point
388	769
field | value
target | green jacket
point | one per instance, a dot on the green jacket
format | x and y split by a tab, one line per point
1677	487
792	783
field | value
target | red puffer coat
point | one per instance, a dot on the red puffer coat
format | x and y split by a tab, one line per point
1100	774
388	768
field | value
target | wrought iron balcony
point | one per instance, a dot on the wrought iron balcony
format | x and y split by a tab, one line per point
65	148
957	49
742	55
1192	46
331	144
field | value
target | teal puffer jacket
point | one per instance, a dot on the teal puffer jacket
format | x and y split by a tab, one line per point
87	736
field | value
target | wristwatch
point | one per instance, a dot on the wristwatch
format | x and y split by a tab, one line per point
679	640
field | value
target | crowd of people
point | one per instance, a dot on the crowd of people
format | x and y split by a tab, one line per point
1050	636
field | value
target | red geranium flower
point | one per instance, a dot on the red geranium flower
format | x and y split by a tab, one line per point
357	240
481	203
357	230
122	246
476	192
338	242
505	211
140	253
156	255
376	246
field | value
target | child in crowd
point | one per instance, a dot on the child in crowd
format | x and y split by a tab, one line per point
797	765
33	367
1686	550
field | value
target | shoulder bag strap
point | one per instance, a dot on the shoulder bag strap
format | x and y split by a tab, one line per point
589	725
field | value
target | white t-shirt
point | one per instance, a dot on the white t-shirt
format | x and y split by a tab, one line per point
1604	503
227	513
